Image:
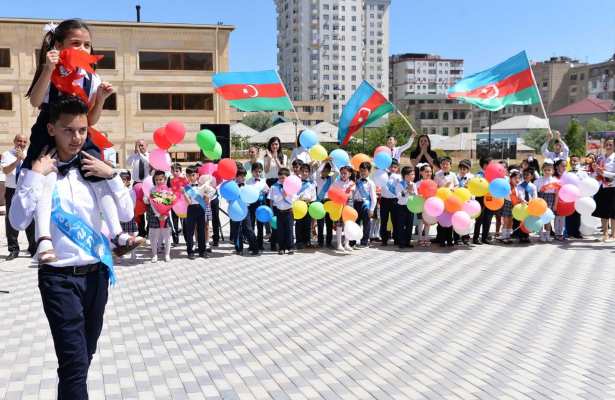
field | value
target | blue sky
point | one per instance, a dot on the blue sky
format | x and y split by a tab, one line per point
481	32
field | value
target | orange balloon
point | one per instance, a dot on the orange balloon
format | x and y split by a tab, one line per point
359	159
493	203
536	207
349	214
453	204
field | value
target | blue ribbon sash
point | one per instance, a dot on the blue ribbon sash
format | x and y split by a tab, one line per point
325	188
364	195
195	196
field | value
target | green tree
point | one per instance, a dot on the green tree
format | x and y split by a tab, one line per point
597	125
374	137
535	138
258	121
575	138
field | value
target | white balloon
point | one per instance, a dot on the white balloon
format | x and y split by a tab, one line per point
381	177
467	231
570	178
353	231
585	205
587	230
588	187
590	220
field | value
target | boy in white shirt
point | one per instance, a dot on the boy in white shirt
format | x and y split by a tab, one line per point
365	201
388	199
448	179
307	193
258	181
282	208
405	219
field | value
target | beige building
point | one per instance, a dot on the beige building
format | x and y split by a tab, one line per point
161	72
435	114
310	113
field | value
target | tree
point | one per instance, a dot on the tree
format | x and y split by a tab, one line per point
374	137
258	121
575	138
535	138
597	125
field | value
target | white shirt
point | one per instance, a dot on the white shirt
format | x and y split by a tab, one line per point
8	158
396	152
96	81
449	180
132	163
609	171
307	192
320	183
531	191
281	200
562	155
273	169
369	189
301	153
393	179
110	155
404	190
543	181
76	197
463	180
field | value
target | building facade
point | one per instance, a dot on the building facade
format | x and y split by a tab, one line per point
160	72
327	47
435	114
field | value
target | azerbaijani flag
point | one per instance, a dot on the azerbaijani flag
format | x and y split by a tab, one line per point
364	107
510	82
253	91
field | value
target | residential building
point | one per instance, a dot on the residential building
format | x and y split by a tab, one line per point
435	114
582	111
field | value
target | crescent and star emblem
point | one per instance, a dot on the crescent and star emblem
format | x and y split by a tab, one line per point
362	110
248	89
490	92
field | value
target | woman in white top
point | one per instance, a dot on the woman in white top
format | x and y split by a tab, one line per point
273	160
605	198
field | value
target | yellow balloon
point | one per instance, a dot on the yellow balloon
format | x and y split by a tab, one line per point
462	194
444	193
300	209
478	186
334	210
318	153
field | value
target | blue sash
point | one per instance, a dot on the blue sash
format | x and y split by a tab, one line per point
83	235
325	188
391	187
281	189
364	195
195	196
304	186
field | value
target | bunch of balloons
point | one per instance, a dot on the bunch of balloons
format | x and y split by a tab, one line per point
576	194
382	161
165	137
209	145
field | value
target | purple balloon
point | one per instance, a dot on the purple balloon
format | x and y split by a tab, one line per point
445	219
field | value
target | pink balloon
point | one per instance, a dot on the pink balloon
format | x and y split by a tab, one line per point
148	184
428	219
180	207
569	193
138	188
160	160
472	208
434	206
381	148
446	219
292	184
569	178
208	168
461	220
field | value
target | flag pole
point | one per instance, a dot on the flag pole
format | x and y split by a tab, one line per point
405	119
542	105
292	105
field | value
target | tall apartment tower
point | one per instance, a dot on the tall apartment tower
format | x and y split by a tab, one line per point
327	47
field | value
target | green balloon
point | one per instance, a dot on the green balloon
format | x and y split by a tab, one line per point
274	222
206	140
519	212
317	210
415	204
215	153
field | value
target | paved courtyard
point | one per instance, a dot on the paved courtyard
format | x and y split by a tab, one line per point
493	322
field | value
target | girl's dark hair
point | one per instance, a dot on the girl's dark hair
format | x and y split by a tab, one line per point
125	174
297	163
365	165
557	164
424	166
284	171
176	166
415	153
270	142
49	41
158	172
305	167
346	168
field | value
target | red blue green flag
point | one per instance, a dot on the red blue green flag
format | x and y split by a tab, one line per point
253	91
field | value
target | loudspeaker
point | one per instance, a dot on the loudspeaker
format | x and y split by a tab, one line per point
223	135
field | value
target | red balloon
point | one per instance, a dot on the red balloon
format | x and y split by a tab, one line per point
428	188
494	170
564	209
175	132
524	229
337	195
138	188
227	169
161	140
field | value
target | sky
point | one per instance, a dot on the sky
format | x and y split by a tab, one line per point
481	32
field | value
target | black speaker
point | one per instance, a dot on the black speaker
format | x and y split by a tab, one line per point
223	135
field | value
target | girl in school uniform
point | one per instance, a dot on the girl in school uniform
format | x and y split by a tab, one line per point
426	173
547	190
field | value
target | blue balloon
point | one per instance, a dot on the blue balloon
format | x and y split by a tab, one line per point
499	188
533	223
249	194
340	158
547	217
274	222
230	191
383	160
237	210
264	214
308	139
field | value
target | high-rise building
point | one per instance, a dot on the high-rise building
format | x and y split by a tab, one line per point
327	47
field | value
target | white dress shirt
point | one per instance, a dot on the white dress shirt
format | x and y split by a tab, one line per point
609	171
393	179
404	190
369	188
132	163
281	200
396	152
448	179
562	155
8	158
543	181
307	192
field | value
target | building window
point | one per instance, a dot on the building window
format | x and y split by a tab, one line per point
108	62
177	101
111	102
5	58
445	131
445	118
6	101
159	60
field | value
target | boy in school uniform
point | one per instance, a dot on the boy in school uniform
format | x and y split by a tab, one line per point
195	218
448	179
307	193
388	200
324	180
258	181
525	191
365	201
241	230
282	209
464	175
486	215
405	219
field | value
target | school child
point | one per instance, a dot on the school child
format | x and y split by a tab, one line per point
348	186
158	235
548	192
130	227
241	230
510	201
445	178
573	222
526	191
307	193
258	181
196	218
560	222
423	231
404	189
176	182
296	166
463	176
498	213
282	208
365	201
388	200
324	180
483	222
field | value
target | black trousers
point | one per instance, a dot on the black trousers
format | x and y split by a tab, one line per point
257	226
303	231
284	233
405	221
573	225
74	306
321	225
387	210
175	228
12	235
517	232
444	235
215	219
195	220
483	221
241	230
363	220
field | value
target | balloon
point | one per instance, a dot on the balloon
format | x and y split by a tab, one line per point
494	170
570	178
160	139
340	158
463	194
230	191
453	204
585	205
140	207
381	178
334	210
380	149
434	206
148	184
175	131
463	232
207	168
564	209
428	219
524	228
499	188
318	153
180	207
264	214
138	188
160	160
461	221
472	208
533	223
337	195
249	194
443	193
353	231
300	209
292	185
547	217
569	193
493	203
215	153
308	139
478	186
590	220
383	160
274	222
206	140
519	212
587	230
349	214
317	210
227	169
589	187
428	188
536	207
445	219
237	210
415	204
359	159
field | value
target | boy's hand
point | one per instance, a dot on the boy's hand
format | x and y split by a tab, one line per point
95	167
44	164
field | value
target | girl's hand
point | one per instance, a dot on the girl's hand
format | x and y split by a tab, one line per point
44	164
53	58
104	91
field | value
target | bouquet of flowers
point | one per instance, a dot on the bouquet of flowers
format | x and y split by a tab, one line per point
162	200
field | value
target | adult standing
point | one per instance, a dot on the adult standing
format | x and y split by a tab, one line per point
138	165
300	153
605	198
11	164
273	160
423	154
253	158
